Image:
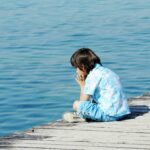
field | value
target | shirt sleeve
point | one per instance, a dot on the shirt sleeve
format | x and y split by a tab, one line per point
91	83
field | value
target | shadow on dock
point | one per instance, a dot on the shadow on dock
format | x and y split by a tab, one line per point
136	111
126	135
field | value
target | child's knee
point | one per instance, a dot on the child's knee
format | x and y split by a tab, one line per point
75	105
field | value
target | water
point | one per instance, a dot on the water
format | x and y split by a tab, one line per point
37	39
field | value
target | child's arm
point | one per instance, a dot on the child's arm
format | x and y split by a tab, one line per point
83	96
80	80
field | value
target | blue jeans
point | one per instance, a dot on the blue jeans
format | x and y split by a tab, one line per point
90	110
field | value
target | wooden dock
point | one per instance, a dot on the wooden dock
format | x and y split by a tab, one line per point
132	133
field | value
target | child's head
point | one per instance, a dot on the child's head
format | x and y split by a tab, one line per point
85	59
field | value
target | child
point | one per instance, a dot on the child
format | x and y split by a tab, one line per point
101	95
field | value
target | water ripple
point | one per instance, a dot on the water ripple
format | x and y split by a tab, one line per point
37	39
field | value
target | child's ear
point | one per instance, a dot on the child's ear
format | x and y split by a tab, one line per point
84	70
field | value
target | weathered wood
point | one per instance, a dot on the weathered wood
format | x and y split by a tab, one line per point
132	133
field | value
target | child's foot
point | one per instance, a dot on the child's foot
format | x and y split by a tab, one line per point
72	117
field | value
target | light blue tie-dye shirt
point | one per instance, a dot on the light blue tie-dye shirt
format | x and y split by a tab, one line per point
105	88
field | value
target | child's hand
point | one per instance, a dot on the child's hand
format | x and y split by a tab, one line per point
80	80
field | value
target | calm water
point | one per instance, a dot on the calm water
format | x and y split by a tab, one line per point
37	39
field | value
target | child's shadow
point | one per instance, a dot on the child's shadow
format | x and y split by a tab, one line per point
136	111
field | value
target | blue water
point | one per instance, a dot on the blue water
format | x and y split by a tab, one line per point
37	39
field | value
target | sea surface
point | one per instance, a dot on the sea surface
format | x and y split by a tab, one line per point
37	38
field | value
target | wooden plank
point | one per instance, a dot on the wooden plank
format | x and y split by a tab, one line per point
129	134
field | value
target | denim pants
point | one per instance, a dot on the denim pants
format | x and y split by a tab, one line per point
90	110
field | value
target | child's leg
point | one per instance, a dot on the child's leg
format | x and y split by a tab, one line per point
89	110
75	105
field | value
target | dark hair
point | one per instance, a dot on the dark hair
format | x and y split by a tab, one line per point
85	58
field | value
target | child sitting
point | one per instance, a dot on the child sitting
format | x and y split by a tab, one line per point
101	96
